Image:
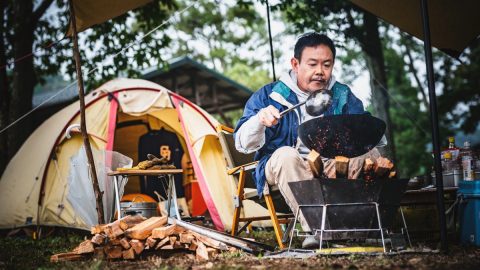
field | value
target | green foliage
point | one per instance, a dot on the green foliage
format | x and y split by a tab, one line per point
101	42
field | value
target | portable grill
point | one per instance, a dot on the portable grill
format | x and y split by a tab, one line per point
335	208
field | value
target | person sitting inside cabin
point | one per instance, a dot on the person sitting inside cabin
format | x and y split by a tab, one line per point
279	150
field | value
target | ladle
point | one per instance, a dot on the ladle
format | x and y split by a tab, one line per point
316	103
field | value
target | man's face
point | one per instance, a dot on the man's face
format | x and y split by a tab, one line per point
314	69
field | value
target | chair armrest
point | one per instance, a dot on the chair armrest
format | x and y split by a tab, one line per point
245	167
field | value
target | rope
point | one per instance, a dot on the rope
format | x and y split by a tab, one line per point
270	40
96	68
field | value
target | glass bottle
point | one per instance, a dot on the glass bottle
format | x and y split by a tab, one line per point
468	162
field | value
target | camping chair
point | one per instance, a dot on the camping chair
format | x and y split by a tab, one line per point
240	166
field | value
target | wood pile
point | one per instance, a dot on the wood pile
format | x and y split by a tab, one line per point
128	237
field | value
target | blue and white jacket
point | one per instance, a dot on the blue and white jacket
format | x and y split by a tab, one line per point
285	133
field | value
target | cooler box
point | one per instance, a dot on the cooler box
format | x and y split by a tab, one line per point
470	212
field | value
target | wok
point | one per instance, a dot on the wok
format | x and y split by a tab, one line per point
349	135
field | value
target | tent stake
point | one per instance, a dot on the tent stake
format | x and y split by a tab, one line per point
83	126
435	130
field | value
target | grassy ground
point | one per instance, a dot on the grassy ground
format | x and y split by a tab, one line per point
21	252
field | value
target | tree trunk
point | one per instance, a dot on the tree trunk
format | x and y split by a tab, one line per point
24	78
4	93
372	47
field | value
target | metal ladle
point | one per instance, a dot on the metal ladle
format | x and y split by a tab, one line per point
316	104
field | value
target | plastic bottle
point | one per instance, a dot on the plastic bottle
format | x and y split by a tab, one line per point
468	162
447	163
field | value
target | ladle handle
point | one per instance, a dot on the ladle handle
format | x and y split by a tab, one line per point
291	108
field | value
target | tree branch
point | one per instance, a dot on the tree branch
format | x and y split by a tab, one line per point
412	70
37	14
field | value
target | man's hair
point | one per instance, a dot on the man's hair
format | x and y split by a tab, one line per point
312	39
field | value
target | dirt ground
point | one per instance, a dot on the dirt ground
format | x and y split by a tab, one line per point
21	252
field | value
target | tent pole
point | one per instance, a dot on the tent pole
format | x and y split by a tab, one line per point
270	41
435	129
83	126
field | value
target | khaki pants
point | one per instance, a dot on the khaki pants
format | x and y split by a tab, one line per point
286	165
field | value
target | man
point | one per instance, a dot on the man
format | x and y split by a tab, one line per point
275	139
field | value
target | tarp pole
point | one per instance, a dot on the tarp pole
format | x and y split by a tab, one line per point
435	130
83	126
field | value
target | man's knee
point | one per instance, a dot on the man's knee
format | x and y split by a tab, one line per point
286	155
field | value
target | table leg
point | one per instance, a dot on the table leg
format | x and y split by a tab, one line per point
117	199
169	195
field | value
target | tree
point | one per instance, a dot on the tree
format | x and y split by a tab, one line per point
348	22
27	27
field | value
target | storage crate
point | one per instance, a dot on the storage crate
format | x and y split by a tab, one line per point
470	212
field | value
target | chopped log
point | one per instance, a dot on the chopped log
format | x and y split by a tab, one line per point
68	256
137	246
167	247
193	246
209	241
128	223
368	169
128	254
341	167
316	164
178	245
186	238
143	230
163	232
172	239
162	242
113	252
124	243
384	166
99	253
201	253
98	239
97	229
151	242
212	251
114	242
84	247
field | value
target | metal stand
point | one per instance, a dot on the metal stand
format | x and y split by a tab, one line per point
322	229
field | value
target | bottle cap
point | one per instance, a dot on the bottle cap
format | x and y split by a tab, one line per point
466	144
451	139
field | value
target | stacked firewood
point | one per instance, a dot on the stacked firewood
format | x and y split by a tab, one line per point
128	237
371	169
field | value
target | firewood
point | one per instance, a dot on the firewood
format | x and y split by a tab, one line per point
137	245
201	253
178	245
131	221
316	164
212	251
209	241
341	167
193	246
113	252
186	238
124	243
114	242
384	166
172	239
99	253
368	169
98	239
84	247
97	229
128	254
68	256
143	230
151	242
162	242
163	232
167	247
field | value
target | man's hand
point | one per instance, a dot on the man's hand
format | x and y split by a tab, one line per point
269	116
